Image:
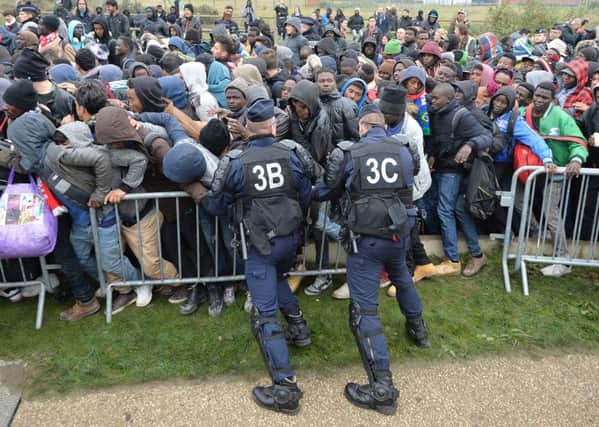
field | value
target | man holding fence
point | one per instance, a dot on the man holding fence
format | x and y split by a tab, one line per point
269	184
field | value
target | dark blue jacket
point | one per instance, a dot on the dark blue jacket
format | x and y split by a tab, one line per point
217	203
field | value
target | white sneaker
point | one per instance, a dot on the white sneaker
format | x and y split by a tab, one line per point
341	292
556	270
229	295
33	291
320	284
248	305
144	295
101	292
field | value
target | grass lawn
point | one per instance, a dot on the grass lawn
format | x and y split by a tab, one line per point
466	317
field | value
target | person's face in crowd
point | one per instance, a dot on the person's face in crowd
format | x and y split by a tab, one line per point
135	104
110	9
357	12
99	30
384	39
9	19
187	13
81	5
421	40
439	99
505	62
554	34
13	112
400	34
252	36
343	25
228	13
314	16
541	100
445	74
219	52
289	29
120	48
595	79
405	13
399	67
172	31
43	30
301	110
371	23
235	99
527	66
369	49
413	86
329	34
348	70
305	27
140	72
499	105
24	16
459	97
149	14
354	92
540	38
523	96
159	9
78	31
172	10
461	17
476	75
287	88
568	80
410	36
326	83
507	45
384	75
502	79
427	59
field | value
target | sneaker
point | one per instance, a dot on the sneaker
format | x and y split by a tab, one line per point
342	292
196	296
80	311
12	294
556	270
448	268
179	296
101	292
51	286
248	305
475	264
123	301
215	300
423	272
392	291
166	291
295	281
229	295
320	284
144	295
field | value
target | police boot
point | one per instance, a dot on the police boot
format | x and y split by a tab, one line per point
380	395
298	331
196	296
283	396
417	331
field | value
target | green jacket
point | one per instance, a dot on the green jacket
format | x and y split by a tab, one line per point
561	133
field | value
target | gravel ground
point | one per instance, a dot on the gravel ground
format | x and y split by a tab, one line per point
512	390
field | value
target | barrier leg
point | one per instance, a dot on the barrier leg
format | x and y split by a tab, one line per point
524	278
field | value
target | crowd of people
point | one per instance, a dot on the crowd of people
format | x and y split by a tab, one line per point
99	106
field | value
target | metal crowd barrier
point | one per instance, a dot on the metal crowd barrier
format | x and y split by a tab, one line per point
543	227
158	200
24	283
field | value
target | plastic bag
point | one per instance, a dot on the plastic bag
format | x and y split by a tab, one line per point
27	226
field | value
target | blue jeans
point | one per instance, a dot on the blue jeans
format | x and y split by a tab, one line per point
451	206
110	253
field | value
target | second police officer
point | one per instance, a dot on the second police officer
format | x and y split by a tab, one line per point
269	185
373	179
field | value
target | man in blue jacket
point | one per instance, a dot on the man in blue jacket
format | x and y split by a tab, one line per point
269	184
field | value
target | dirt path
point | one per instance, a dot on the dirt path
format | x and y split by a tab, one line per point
511	390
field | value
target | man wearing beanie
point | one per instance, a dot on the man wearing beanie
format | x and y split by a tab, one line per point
51	41
19	98
272	181
32	66
375	177
145	95
189	22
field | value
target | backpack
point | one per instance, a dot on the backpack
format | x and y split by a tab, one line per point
481	193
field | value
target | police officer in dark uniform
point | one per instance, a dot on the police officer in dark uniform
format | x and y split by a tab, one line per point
268	182
374	180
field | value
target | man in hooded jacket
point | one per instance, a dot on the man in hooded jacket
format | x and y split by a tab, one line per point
294	40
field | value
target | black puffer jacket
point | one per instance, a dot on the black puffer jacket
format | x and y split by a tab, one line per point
467	131
343	114
316	133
